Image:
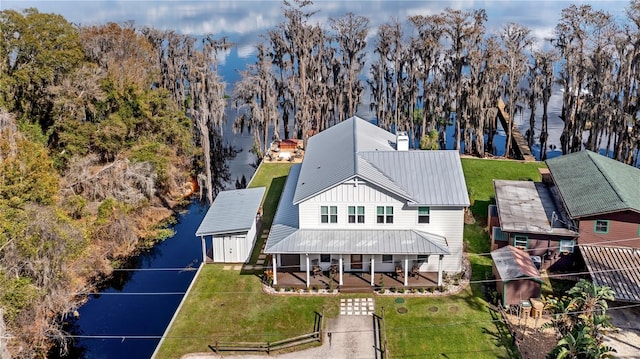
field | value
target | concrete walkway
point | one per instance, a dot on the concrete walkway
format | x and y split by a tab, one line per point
351	337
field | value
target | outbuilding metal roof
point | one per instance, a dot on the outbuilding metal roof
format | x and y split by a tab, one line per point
615	267
528	207
513	263
593	184
231	212
356	148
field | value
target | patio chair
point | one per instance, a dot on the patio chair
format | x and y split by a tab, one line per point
415	270
399	270
315	265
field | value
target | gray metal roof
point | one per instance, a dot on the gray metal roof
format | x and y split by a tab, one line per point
616	267
513	263
286	220
286	237
357	148
432	178
231	212
360	241
528	207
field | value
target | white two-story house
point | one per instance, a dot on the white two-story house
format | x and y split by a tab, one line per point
361	201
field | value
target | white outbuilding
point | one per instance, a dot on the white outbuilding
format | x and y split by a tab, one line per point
231	222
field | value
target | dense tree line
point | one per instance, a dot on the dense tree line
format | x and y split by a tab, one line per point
101	129
431	72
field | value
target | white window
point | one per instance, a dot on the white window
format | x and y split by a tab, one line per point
384	214
356	214
328	214
566	246
423	214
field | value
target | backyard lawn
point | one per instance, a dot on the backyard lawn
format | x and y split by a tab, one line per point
228	306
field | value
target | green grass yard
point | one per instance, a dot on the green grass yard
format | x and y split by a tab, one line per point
225	305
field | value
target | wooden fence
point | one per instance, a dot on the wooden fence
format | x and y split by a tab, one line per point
380	336
268	347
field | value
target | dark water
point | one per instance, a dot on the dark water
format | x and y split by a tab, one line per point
131	321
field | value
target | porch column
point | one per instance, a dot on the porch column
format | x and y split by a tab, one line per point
204	250
440	270
307	258
212	247
340	268
406	271
275	271
372	272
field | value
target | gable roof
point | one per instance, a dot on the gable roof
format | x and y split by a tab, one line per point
513	263
231	212
286	237
356	148
592	184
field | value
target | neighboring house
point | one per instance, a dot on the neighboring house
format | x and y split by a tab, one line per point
527	217
602	198
231	221
517	277
361	203
585	199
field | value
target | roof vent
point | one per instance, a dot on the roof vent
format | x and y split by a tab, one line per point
402	141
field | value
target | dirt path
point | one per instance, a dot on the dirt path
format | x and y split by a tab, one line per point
351	337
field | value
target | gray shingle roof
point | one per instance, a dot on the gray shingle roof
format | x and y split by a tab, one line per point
231	212
357	148
513	263
592	184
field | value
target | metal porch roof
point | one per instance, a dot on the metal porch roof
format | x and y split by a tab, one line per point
616	267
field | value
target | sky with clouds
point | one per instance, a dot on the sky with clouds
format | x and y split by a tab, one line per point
244	20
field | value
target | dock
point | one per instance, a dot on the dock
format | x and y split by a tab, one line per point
519	146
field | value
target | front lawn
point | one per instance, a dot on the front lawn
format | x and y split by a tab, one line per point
226	306
457	326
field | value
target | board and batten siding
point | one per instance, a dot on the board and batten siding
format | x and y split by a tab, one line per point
234	247
444	221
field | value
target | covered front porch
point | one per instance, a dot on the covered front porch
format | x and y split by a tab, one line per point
356	282
336	270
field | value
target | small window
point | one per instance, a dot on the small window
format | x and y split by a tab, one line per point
360	214
521	242
379	214
423	214
387	258
333	214
325	258
601	226
352	214
566	246
384	214
324	214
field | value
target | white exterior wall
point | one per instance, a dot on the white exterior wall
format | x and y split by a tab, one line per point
234	247
444	221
